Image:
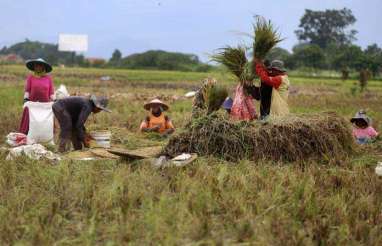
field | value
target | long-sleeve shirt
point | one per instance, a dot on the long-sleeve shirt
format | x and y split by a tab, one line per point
39	89
79	108
280	92
274	81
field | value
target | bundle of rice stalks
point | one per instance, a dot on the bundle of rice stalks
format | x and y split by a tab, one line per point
266	37
236	61
215	97
290	139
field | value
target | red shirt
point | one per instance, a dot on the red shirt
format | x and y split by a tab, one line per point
274	81
40	89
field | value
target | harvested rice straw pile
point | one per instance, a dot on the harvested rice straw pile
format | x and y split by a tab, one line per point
288	139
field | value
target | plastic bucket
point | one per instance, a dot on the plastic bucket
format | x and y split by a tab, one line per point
102	138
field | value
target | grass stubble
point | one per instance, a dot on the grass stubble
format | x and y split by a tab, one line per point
213	201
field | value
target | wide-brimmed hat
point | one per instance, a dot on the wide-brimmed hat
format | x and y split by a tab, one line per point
227	104
148	105
100	102
278	65
31	63
361	115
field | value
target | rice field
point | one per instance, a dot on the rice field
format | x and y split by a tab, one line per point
211	201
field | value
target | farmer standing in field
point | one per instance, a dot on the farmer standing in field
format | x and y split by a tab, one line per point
72	113
38	88
157	121
277	78
264	94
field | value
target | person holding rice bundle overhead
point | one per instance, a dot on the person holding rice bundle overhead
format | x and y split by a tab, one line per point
38	88
276	77
157	121
266	37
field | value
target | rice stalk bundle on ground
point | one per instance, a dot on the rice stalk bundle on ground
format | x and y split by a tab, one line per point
234	58
266	37
215	97
288	139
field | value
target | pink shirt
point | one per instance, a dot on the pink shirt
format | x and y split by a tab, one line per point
368	132
39	89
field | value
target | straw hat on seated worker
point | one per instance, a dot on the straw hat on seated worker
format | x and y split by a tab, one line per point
157	121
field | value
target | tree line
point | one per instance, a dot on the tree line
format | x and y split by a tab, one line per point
153	59
325	42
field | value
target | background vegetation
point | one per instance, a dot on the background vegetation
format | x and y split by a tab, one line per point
326	42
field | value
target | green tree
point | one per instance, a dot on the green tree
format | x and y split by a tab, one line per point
279	54
116	58
373	59
325	27
308	55
350	56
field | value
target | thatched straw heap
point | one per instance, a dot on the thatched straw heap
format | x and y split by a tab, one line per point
291	138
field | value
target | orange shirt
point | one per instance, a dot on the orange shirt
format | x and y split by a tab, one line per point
162	121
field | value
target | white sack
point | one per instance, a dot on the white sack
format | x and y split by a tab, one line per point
41	122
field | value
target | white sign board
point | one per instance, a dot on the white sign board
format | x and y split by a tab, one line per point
73	42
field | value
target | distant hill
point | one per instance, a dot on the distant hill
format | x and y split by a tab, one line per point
163	60
34	49
153	59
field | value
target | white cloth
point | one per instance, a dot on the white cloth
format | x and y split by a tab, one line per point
41	122
35	152
279	104
378	169
61	93
15	139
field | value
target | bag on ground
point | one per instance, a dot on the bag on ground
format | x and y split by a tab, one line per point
40	122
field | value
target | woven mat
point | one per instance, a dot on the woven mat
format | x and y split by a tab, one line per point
141	153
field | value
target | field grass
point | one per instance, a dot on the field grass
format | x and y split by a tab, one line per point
209	202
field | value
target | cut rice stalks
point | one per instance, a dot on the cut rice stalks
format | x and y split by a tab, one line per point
266	37
235	60
320	136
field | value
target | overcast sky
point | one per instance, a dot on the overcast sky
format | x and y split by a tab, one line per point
191	26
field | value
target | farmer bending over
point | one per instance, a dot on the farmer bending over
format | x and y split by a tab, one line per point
156	121
72	113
